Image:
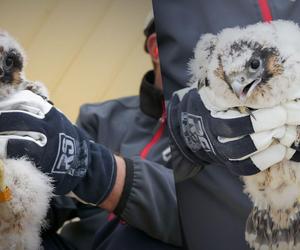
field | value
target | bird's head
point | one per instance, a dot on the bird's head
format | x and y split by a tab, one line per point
254	66
11	61
248	68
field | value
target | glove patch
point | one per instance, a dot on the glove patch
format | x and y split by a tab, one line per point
67	156
194	133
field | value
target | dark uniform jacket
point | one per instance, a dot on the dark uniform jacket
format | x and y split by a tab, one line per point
212	206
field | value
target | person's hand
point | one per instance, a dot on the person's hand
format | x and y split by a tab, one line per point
244	143
30	127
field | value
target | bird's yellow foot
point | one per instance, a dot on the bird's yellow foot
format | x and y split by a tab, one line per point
5	192
5	195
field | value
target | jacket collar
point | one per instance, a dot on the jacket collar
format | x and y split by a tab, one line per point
151	98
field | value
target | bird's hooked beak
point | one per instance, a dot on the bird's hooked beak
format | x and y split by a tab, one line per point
244	89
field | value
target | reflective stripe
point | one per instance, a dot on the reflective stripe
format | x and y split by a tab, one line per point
157	135
265	10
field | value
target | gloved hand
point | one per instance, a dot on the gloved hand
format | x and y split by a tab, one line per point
239	141
291	138
31	127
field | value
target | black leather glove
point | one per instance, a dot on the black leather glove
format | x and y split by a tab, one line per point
239	141
31	127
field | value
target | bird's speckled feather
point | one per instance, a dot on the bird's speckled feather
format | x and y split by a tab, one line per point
21	216
252	68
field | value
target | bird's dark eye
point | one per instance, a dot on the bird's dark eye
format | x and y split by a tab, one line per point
254	64
9	61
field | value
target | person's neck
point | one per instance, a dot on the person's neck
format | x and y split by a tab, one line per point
157	78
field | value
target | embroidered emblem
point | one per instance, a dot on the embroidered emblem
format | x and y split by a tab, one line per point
194	133
65	155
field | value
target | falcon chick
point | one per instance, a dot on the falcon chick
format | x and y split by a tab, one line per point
252	68
25	192
12	76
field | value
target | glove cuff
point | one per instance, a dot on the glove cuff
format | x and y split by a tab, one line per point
127	187
100	177
185	162
175	109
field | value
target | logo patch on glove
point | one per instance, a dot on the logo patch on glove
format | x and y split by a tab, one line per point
194	133
72	157
65	155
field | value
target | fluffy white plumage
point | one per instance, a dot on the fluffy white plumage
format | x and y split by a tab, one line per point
21	217
258	67
211	48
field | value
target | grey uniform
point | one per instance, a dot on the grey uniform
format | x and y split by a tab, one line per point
135	128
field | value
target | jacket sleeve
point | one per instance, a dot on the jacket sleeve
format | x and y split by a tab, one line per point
148	201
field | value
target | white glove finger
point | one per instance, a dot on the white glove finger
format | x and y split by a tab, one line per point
289	153
264	139
293	112
264	159
270	156
26	100
36	137
261	119
251	144
289	137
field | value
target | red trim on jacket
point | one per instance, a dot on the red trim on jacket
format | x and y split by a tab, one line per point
147	148
265	10
156	136
111	216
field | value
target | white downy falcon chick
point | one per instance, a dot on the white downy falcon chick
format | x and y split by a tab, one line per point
12	62
25	192
249	68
